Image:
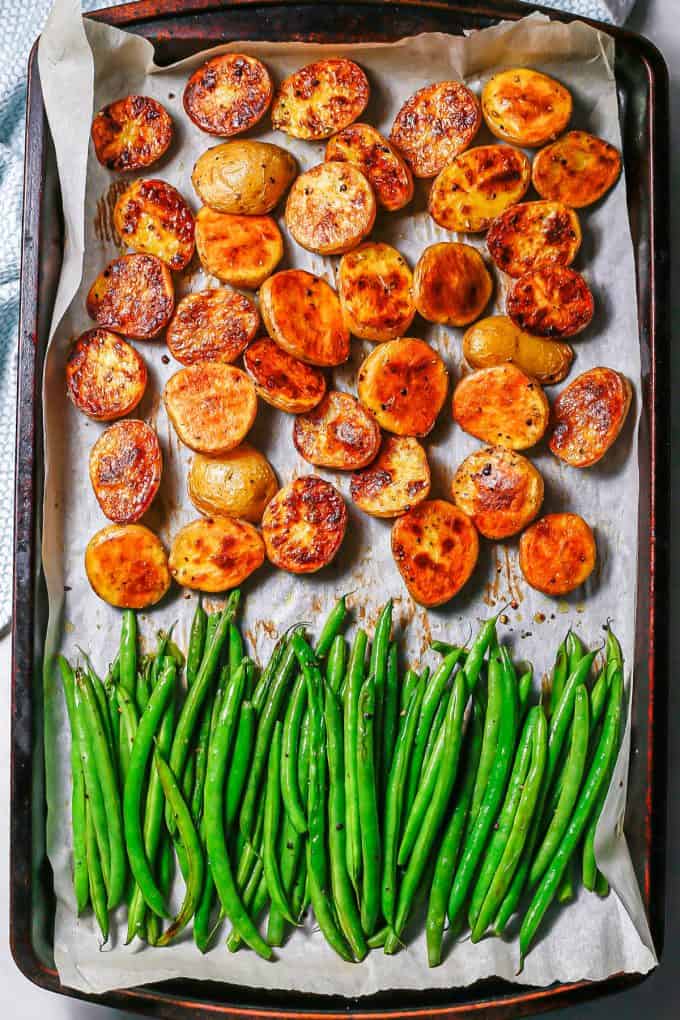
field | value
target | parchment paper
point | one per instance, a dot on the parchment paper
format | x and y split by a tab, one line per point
84	66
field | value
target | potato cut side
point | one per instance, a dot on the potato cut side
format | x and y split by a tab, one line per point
212	406
304	525
152	217
435	546
131	133
282	380
502	406
339	433
397	480
212	325
215	555
105	376
553	302
125	470
375	286
378	160
240	250
477	186
243	177
228	94
557	553
588	416
235	484
500	491
577	169
435	125
451	284
134	295
127	566
320	99
330	208
303	316
404	383
534	234
525	106
496	340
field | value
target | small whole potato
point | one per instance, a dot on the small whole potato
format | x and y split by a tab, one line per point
236	484
244	177
496	339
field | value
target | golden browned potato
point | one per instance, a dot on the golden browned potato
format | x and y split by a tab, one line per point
134	295
451	284
525	106
577	169
131	133
339	433
588	416
151	216
212	325
105	375
235	484
496	339
478	185
228	94
435	125
375	286
282	380
125	470
502	406
554	301
243	177
557	553
320	99
302	314
330	208
435	546
240	250
397	480
534	234
127	566
500	491
211	405
404	382
378	160
304	525
215	555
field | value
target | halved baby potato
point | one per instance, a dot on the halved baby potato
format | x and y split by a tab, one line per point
320	99
502	406
240	250
557	553
105	375
534	234
281	380
451	284
243	177
398	479
125	470
525	106
588	416
330	208
339	433
235	484
127	566
378	160
404	383
131	133
577	169
151	216
435	546
215	555
553	301
304	525
303	316
212	406
212	325
496	340
478	185
434	125
500	491
228	94
134	295
375	286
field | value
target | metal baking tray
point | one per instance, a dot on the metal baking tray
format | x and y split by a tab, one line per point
181	27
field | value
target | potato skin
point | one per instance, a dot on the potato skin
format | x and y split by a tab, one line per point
212	325
397	480
525	107
500	491
228	94
152	217
281	380
434	125
478	185
378	160
240	250
127	566
212	406
496	339
501	406
134	295
557	553
404	382
375	287
125	470
339	433
577	169
302	314
330	208
243	177
236	484
588	416
451	284
105	376
215	555
131	133
304	525
534	234
435	546
320	99
553	301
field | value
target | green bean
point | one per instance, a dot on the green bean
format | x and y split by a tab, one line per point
272	818
255	897
290	845
176	652
575	651
437	722
559	677
524	685
259	695
443	647
378	667
128	652
367	793
475	657
601	885
240	762
590	871
128	729
411	679
355	679
428	781
110	682
142	688
298	896
565	890
377	941
337	663
203	931
97	888
102	700
613	649
290	791
390	711
331	627
81	885
598	694
200	757
249	851
236	649
492	721
197	636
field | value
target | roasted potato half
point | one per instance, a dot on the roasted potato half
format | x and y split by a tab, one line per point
496	339
435	546
404	383
240	250
478	185
131	133
501	406
451	284
320	99
134	295
525	107
228	94
500	491
330	208
577	169
339	433
212	325
282	380
303	316
588	416
125	470
434	125
534	234
398	479
152	217
235	484
215	555
554	301
557	553
244	177
375	286
105	375
212	406
304	525
378	160
127	566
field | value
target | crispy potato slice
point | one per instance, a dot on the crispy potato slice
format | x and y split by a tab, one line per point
396	481
525	106
134	295
502	406
554	301
330	208
534	234
378	160
215	555
435	546
127	566
228	94
434	125
282	380
304	525
125	470
451	284
496	339
131	133
211	405
105	375
500	491
240	250
404	382
236	484
588	416
151	216
320	99
577	169
212	325
477	186
557	553
302	314
375	286
244	177
339	433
